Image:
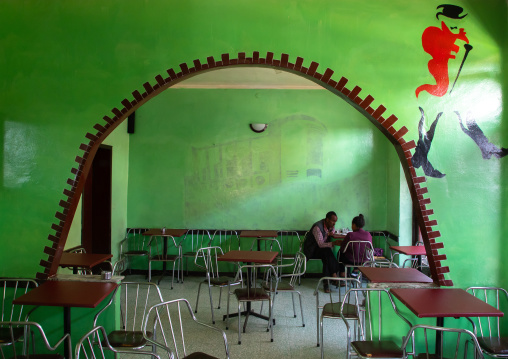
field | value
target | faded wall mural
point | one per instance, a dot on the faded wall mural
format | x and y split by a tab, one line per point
446	43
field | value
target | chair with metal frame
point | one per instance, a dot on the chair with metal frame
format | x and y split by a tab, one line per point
13	288
159	253
227	239
206	258
135	244
197	238
290	243
287	280
172	326
362	252
136	298
331	308
254	292
87	347
488	329
454	338
368	345
11	327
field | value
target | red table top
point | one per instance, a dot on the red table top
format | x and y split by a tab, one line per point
261	257
67	294
394	275
410	250
83	260
444	302
258	234
168	232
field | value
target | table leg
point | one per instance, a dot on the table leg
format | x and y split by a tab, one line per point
439	323
67	328
165	253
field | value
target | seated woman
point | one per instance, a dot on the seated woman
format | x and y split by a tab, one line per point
355	255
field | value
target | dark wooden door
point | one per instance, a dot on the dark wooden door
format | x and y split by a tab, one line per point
96	202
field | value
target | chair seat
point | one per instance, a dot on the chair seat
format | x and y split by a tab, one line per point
494	345
332	310
5	334
252	294
199	355
135	253
127	339
223	281
375	349
164	258
40	356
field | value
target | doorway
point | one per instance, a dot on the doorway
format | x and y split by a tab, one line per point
96	210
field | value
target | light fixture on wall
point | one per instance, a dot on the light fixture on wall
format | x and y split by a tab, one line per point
258	127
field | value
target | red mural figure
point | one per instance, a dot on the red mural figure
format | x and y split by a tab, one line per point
440	44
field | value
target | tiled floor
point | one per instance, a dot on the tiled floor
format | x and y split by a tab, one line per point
291	340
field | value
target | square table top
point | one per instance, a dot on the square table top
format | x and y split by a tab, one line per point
258	234
261	257
67	294
444	302
168	232
394	275
410	250
82	260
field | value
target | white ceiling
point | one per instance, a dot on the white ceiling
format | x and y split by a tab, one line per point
248	78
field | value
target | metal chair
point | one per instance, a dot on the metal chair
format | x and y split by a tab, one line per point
13	288
372	343
362	252
80	271
227	239
172	326
208	256
454	338
488	329
87	347
198	238
135	244
287	281
290	243
254	292
158	252
11	327
136	298
332	306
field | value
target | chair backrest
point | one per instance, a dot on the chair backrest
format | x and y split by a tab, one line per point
156	245
37	333
496	297
297	268
173	319
136	298
381	264
197	238
134	241
13	288
290	242
362	251
206	258
266	244
227	239
87	347
421	340
369	303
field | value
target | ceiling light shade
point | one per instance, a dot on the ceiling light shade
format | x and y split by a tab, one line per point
258	127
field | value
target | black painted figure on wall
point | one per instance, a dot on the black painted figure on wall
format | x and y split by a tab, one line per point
441	44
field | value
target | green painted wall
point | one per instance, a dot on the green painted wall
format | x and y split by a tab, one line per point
67	64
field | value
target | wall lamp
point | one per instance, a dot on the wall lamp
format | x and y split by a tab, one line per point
258	127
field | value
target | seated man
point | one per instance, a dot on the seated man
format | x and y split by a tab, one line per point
317	245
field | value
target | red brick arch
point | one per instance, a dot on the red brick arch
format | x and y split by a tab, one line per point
350	94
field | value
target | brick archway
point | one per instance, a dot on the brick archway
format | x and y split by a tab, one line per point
340	88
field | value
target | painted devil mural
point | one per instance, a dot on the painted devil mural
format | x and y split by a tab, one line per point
442	44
